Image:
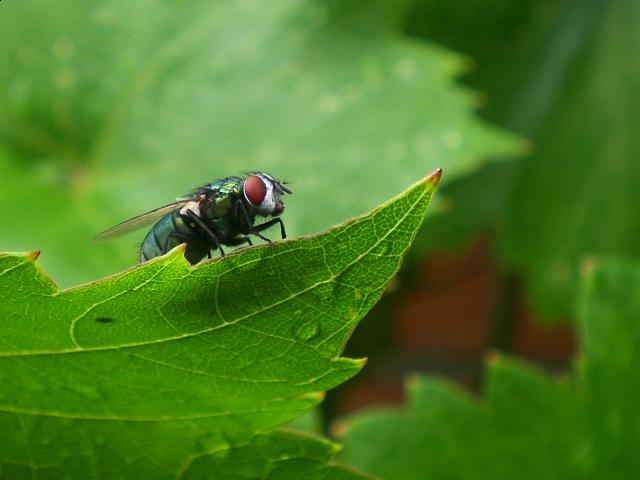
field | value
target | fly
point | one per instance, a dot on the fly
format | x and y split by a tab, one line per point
219	213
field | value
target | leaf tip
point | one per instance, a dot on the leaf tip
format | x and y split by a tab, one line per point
434	179
33	256
176	254
316	397
181	248
335	448
360	362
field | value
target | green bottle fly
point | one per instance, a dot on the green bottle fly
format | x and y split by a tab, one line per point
219	213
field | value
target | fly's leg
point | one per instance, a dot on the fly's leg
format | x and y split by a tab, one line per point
256	230
177	235
264	226
239	241
243	209
212	236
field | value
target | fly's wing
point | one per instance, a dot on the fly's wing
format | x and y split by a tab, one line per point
142	220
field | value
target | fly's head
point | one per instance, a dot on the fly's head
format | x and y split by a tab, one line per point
264	193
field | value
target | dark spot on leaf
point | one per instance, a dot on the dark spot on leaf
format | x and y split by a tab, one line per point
104	320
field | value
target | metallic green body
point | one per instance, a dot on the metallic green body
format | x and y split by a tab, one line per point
227	191
216	202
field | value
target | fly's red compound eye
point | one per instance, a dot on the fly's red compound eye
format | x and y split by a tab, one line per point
255	190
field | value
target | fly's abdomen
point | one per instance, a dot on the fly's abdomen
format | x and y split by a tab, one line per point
167	233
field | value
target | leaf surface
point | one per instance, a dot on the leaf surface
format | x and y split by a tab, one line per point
142	373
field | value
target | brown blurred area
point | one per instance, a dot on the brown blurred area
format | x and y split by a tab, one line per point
448	313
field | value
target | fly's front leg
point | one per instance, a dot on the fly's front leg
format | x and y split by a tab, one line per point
212	236
283	233
241	211
256	230
264	226
247	218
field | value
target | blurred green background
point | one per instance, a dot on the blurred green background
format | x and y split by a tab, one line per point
109	109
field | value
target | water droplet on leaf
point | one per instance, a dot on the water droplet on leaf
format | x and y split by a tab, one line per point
307	331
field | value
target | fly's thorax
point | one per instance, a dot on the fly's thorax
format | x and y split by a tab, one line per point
216	198
225	186
220	207
222	214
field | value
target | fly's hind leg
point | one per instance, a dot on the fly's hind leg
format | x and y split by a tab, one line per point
212	236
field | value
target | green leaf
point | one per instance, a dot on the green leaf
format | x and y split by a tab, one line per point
528	424
169	369
112	109
284	455
611	342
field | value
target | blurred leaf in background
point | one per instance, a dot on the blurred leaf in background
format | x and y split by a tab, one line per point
528	425
111	109
562	73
